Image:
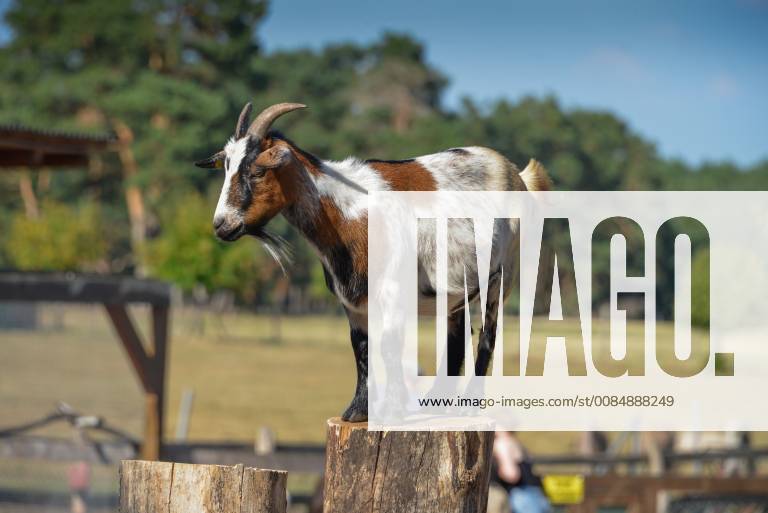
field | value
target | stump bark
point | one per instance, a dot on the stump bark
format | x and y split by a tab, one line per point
155	487
400	472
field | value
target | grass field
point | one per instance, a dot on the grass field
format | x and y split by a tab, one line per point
243	378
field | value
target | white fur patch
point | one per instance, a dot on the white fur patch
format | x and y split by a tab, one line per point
479	169
235	152
347	183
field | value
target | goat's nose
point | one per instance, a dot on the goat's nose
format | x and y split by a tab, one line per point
218	221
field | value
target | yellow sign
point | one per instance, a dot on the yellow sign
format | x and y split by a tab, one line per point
564	489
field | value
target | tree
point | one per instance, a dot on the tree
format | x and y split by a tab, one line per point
150	71
170	78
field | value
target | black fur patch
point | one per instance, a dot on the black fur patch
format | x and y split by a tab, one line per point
456	327
428	291
353	286
275	134
252	152
458	151
403	161
328	278
357	335
359	340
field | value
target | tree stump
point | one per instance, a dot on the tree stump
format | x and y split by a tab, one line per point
154	487
399	472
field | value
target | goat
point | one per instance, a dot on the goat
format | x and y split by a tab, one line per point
266	174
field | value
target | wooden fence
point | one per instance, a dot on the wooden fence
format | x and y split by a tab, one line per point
639	494
352	450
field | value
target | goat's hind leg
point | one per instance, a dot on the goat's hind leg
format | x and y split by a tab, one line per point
455	345
488	336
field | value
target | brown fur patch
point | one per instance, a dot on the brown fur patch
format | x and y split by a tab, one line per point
267	199
333	229
407	175
276	189
279	187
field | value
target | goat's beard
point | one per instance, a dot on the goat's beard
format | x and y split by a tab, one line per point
277	247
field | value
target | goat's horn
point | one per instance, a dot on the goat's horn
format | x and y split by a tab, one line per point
242	121
263	121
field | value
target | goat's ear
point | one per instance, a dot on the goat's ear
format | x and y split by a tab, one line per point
275	156
215	161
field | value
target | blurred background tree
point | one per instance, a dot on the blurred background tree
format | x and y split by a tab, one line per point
61	237
169	79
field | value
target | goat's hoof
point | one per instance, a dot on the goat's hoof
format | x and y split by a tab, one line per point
355	413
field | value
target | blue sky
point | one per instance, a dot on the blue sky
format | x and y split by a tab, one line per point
690	75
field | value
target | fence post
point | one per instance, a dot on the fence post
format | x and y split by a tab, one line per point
154	487
395	471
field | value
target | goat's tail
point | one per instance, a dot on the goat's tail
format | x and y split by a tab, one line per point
535	177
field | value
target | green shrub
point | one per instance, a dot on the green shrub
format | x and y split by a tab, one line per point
187	253
61	238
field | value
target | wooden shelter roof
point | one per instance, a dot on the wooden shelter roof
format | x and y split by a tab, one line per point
22	146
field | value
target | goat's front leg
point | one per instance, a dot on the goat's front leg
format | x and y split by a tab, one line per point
357	411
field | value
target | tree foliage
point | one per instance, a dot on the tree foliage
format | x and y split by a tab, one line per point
63	237
177	73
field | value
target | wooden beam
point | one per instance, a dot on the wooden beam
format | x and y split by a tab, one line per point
16	158
149	364
640	494
160	315
154	406
56	142
132	344
114	292
82	288
633	485
632	459
293	458
61	449
290	457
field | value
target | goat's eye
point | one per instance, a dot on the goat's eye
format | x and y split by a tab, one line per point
257	172
226	163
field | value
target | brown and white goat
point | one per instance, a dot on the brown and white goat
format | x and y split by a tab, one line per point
266	174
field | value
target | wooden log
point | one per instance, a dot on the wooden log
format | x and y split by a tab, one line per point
155	487
394	471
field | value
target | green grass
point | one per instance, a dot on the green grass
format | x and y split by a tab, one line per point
242	378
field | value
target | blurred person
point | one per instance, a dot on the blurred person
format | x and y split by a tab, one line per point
512	469
79	478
